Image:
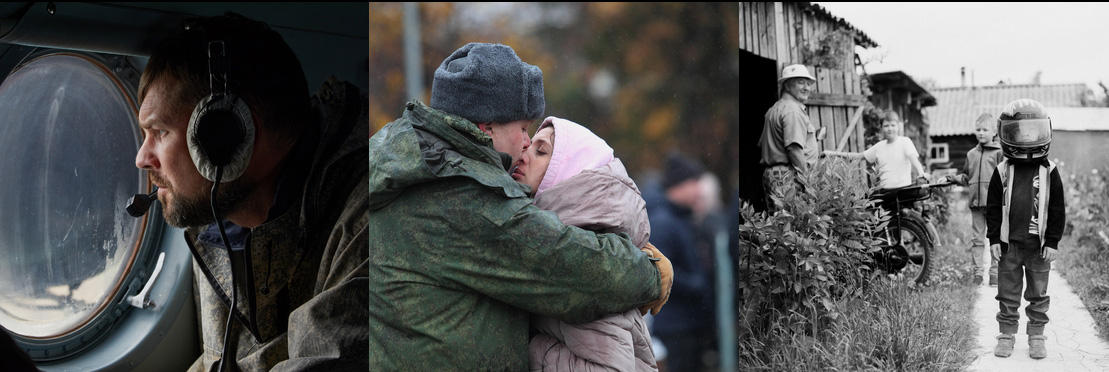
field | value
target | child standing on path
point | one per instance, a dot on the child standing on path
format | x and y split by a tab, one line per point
980	164
1025	216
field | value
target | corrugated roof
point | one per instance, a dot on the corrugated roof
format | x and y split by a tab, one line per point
860	38
959	107
1079	118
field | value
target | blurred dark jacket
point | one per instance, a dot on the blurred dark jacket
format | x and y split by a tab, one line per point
673	233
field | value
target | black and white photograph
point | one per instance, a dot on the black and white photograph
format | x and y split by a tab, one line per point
924	187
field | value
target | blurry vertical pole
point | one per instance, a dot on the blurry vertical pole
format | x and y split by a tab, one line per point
413	68
725	308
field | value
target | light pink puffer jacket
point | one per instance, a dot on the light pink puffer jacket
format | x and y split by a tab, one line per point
591	189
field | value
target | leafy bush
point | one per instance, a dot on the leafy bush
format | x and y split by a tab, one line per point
829	50
813	251
938	207
1086	249
1087	197
892	325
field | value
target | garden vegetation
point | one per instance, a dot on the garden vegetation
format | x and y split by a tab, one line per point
811	300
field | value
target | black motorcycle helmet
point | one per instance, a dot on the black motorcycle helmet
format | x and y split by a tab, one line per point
1024	130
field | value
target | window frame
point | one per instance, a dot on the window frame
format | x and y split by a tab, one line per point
93	329
933	147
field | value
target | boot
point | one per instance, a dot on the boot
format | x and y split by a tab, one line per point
993	280
1036	348
1005	345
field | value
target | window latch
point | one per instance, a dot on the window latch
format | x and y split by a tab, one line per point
142	300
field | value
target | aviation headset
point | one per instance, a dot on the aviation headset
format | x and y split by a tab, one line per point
221	129
221	139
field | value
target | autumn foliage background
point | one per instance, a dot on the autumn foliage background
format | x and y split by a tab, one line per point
646	77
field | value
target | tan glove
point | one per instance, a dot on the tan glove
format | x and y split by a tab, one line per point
666	276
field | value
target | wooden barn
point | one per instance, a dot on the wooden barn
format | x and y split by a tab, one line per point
952	121
778	34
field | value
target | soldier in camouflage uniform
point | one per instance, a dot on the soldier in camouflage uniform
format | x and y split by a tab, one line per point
301	214
460	254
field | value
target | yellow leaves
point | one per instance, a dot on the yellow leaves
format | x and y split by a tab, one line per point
378	119
436	12
643	53
607	11
385	25
660	122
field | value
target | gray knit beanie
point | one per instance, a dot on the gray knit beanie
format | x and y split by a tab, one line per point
488	83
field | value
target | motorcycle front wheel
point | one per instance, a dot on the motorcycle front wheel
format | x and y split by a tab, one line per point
912	252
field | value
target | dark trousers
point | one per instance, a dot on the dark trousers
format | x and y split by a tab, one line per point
1018	264
778	181
683	351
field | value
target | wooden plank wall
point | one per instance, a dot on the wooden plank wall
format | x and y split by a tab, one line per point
793	29
759	36
757	28
837	118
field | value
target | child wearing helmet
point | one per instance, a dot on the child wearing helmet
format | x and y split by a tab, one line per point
1025	216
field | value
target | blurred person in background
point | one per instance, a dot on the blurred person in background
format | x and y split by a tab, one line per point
710	221
688	319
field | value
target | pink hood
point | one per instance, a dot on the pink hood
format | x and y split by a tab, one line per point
576	148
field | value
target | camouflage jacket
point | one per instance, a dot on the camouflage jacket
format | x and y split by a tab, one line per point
461	255
304	305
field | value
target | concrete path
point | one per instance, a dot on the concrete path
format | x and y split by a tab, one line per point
1072	341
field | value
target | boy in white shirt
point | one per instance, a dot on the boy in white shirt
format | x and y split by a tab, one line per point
894	158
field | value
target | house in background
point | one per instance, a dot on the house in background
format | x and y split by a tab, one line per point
952	121
898	92
1079	139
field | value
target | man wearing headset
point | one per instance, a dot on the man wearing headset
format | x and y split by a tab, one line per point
292	198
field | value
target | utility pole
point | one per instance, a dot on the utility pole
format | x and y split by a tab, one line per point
413	66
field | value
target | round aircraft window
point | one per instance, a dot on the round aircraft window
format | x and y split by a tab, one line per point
69	134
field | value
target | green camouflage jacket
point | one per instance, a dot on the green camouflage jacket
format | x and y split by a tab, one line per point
304	307
461	255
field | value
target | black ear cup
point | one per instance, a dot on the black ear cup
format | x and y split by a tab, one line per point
221	134
221	129
218	133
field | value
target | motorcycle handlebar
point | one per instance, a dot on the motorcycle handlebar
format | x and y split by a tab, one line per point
930	185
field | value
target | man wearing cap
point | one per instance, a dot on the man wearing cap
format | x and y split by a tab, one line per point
788	140
460	255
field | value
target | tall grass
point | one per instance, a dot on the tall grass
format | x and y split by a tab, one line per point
1084	268
893	326
1084	249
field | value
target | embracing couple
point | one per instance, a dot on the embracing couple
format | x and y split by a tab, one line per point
491	250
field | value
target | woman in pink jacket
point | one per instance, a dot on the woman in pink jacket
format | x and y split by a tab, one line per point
573	173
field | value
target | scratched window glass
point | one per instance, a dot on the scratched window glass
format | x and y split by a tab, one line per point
68	136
